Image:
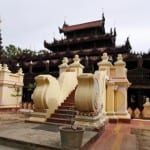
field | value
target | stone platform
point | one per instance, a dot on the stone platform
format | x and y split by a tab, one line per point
31	136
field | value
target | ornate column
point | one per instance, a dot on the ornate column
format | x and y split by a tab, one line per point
121	71
105	64
110	96
76	66
122	83
121	99
146	110
64	66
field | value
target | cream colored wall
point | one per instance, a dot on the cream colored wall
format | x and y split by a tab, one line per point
121	100
68	82
110	96
46	93
101	76
50	92
8	83
117	84
8	98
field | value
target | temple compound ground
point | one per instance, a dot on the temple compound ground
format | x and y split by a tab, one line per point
96	103
17	134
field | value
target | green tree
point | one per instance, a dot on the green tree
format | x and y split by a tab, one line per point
12	51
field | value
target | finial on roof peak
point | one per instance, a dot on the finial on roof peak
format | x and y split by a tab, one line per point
115	33
127	43
65	24
103	16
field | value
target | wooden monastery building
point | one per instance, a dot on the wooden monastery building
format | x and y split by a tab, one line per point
89	40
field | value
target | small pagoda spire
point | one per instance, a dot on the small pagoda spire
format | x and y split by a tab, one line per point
115	33
103	17
65	24
127	44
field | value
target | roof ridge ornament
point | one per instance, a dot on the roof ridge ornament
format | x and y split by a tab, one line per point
115	33
127	43
65	24
103	16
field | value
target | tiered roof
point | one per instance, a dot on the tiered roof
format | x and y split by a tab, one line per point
88	25
82	36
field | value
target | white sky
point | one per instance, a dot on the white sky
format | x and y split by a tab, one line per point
27	23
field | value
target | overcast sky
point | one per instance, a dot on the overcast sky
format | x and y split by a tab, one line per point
27	23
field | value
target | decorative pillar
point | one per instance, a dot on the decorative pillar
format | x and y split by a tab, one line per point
121	100
122	83
146	110
64	66
105	64
88	102
46	97
110	96
121	71
76	66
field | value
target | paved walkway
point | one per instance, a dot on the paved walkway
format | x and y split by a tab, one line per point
118	136
115	137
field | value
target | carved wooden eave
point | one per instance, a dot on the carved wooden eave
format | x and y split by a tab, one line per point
73	41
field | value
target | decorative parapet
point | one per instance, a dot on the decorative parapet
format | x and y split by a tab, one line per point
121	71
5	68
146	110
76	66
0	67
147	103
64	66
105	64
120	61
10	87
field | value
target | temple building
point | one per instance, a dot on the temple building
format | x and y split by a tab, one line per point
88	40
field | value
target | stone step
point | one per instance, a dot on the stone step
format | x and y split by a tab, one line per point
70	107
56	124
67	116
65	111
67	104
59	120
38	114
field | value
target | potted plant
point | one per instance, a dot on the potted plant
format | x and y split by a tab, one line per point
71	136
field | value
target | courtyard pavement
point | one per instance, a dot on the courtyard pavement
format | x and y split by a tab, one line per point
117	136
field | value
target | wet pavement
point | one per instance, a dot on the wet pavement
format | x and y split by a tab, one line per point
117	136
